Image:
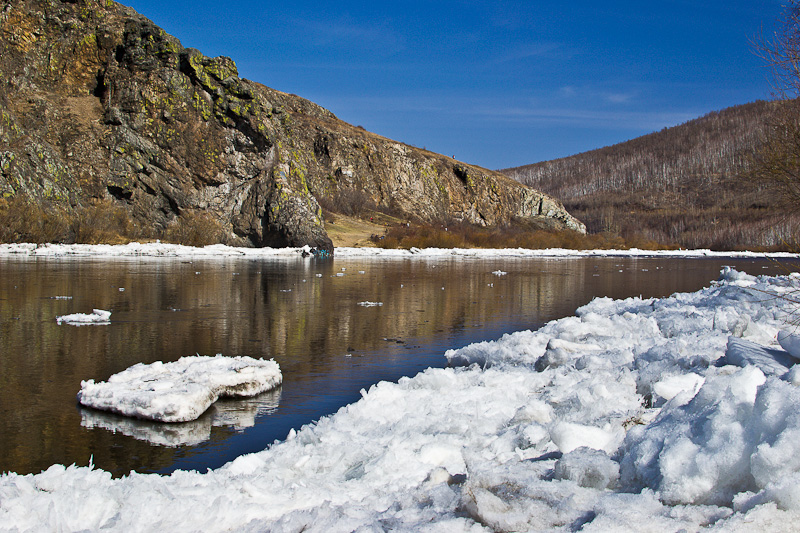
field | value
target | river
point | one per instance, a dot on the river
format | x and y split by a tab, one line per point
314	317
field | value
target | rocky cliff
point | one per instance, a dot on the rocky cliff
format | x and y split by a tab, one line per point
96	102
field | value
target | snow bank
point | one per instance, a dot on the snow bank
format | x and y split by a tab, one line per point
97	317
181	390
159	249
633	415
150	249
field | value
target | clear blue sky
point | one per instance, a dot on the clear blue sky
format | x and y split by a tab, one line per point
494	83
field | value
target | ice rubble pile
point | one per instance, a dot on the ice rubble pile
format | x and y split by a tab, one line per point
97	317
182	390
628	416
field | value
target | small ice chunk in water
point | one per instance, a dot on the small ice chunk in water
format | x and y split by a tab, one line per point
97	316
182	390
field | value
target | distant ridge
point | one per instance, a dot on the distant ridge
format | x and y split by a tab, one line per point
685	185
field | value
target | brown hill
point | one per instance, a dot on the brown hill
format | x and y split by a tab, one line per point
686	185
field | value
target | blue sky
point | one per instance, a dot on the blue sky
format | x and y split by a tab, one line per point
497	84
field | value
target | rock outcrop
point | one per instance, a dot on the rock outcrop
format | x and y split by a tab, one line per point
97	102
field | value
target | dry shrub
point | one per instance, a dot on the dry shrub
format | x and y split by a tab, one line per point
349	202
460	235
103	222
24	221
195	228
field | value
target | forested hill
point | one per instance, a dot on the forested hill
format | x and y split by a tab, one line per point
686	185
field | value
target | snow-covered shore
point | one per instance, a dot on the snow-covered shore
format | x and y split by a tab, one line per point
157	249
625	417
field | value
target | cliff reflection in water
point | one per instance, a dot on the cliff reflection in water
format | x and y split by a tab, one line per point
303	313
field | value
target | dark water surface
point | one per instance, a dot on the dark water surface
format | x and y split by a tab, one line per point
304	313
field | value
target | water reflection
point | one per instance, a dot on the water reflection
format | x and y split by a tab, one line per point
235	414
304	313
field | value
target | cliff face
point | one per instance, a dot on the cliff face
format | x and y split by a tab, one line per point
96	102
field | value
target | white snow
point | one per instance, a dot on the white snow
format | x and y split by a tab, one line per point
158	249
96	317
181	390
790	341
633	415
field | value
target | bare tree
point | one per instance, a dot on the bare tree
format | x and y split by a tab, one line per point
777	162
782	52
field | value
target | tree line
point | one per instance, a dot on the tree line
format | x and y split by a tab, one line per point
694	185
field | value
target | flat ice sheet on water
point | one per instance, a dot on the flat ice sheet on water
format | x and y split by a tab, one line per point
238	415
182	390
633	415
96	317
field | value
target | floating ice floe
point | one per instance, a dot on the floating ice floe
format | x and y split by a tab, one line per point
645	415
370	304
239	414
182	390
96	317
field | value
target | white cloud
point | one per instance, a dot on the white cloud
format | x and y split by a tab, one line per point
567	91
527	51
531	113
619	98
346	31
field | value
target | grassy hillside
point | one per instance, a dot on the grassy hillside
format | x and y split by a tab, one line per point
686	185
